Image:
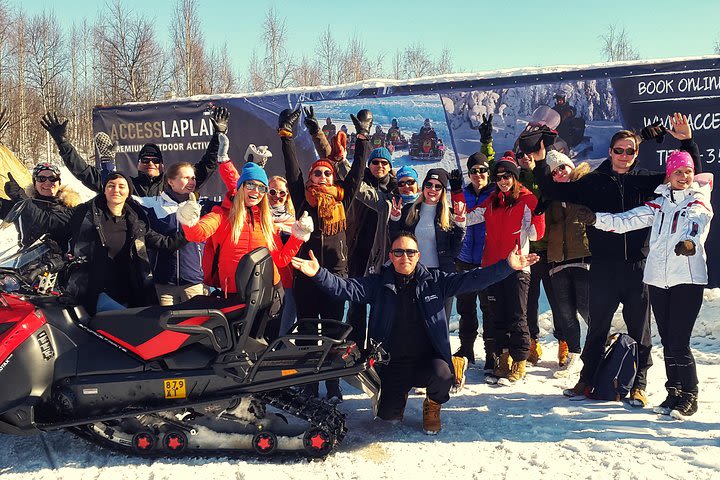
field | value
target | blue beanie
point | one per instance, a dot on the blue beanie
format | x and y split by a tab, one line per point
407	171
381	152
252	171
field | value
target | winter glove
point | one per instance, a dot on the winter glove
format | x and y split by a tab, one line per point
188	213
456	181
303	227
685	247
56	129
486	129
655	130
257	155
13	190
287	120
219	119
311	121
585	215
363	122
4	121
224	146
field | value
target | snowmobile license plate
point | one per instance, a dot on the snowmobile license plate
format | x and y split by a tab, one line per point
175	388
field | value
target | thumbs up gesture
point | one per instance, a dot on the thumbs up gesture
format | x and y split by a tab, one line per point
188	212
303	227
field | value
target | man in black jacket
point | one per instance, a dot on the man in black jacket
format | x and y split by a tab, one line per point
618	261
150	180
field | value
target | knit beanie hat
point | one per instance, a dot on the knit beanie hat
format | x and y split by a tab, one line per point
115	175
45	166
252	171
323	162
150	150
381	152
407	172
507	164
479	159
555	158
678	159
438	174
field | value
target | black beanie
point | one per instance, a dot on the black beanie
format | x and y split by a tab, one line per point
508	165
477	158
150	150
438	174
115	175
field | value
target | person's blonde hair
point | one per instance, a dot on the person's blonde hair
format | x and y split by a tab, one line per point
443	206
238	214
289	206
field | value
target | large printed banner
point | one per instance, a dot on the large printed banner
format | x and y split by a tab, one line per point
435	124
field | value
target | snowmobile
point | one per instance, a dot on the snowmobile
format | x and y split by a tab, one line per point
198	378
426	146
379	139
397	139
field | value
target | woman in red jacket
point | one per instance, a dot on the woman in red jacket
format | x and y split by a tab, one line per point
510	221
247	224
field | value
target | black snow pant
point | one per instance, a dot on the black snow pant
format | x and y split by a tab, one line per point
311	302
676	310
571	288
541	272
507	305
467	309
399	376
613	283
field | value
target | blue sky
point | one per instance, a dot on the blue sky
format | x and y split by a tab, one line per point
483	35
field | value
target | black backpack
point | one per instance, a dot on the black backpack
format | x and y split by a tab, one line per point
616	373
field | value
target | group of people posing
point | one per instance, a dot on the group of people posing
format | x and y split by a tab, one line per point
362	233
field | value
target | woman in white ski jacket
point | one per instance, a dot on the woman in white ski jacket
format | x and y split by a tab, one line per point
676	269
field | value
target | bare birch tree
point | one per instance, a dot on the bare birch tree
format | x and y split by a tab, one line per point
615	45
189	62
278	64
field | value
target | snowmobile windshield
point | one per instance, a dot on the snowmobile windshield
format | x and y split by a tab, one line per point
16	258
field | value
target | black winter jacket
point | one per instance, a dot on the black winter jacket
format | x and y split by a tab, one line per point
143	185
330	250
39	214
603	190
88	240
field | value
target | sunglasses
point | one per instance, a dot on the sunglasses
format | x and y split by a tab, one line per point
560	169
478	171
43	179
626	151
399	252
146	160
406	183
277	193
320	173
504	176
384	163
433	186
256	186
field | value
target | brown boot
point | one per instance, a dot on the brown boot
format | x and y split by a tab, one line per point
431	417
502	366
517	371
535	352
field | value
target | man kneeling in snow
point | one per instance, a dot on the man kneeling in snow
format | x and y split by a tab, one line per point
407	315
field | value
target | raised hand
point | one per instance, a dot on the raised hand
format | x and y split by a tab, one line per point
13	190
680	127
311	122
188	213
396	209
303	227
456	180
287	119
308	267
55	127
363	122
219	118
486	129
655	130
685	247
518	261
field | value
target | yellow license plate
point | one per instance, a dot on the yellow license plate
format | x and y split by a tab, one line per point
175	388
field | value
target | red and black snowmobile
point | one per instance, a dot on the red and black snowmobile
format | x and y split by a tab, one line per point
396	138
426	146
198	378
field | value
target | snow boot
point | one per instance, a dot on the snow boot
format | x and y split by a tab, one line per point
670	402
460	364
535	352
686	406
563	353
502	366
466	350
638	398
580	389
431	417
517	371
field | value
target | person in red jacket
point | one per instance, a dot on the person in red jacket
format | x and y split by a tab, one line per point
510	221
243	227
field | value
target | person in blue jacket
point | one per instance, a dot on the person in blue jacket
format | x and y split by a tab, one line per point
407	315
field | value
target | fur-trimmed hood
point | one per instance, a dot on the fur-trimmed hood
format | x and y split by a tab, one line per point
66	195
